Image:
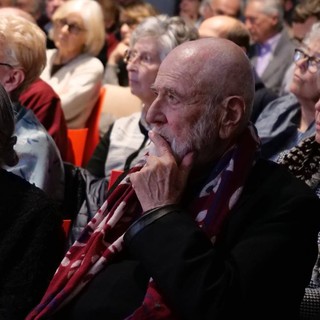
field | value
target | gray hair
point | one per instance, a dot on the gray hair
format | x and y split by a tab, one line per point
272	7
169	31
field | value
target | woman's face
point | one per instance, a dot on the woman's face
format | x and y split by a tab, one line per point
143	65
69	34
127	25
304	81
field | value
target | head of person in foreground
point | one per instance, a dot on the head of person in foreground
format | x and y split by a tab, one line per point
204	91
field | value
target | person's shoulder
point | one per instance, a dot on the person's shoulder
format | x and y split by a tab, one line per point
11	183
268	174
88	61
42	89
282	105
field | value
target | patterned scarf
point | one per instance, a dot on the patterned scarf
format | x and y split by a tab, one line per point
102	239
304	161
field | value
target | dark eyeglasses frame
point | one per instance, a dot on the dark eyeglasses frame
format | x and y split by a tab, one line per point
313	63
6	64
72	27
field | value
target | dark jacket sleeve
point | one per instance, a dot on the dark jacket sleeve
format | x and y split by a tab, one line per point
257	269
30	251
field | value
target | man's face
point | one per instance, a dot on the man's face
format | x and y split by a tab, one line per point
260	25
179	112
225	7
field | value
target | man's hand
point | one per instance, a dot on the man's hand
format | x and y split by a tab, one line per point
161	181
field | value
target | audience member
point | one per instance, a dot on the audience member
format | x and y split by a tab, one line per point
126	140
202	228
305	14
111	19
31	242
130	16
23	57
43	100
35	8
189	10
272	46
289	119
233	29
230	8
50	7
72	69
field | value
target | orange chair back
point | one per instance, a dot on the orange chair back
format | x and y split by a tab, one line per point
77	141
92	124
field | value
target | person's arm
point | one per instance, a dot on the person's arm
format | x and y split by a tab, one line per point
260	271
112	68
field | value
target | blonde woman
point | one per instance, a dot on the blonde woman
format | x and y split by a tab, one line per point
72	69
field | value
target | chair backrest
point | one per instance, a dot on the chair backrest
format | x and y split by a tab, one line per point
77	141
92	124
118	102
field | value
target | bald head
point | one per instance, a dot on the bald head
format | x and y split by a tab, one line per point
217	66
226	27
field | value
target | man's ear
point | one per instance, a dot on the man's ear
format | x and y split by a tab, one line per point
13	79
233	111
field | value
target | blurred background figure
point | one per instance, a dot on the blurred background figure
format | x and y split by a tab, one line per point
72	68
130	16
111	20
43	100
272	47
40	161
31	239
289	119
230	8
304	15
50	7
190	11
227	27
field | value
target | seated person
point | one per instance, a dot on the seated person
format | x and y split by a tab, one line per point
40	162
125	142
31	242
72	69
43	101
202	227
130	15
289	119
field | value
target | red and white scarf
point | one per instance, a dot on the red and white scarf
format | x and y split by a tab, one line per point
102	239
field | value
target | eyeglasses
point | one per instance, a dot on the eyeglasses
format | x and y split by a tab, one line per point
313	63
72	27
6	64
129	22
144	59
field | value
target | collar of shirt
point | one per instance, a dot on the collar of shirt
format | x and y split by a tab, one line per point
269	46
